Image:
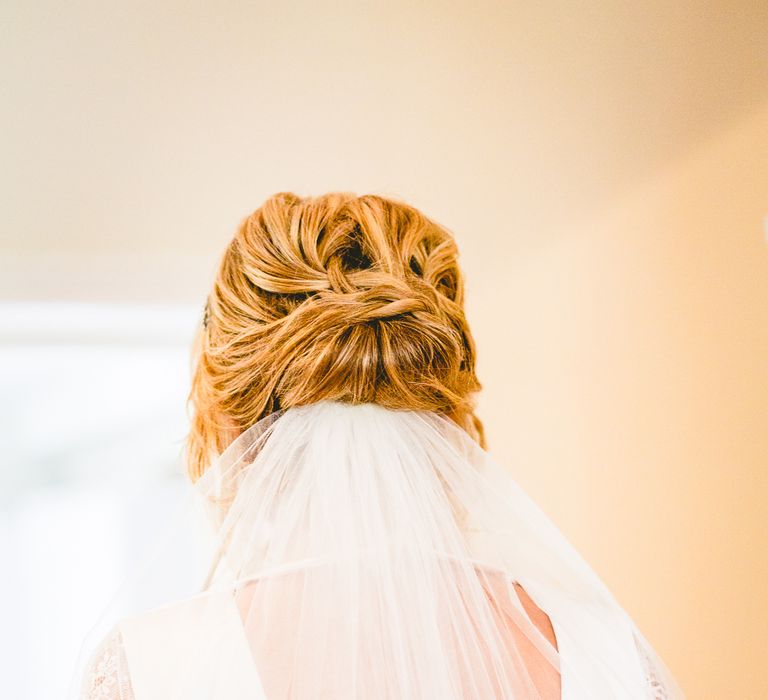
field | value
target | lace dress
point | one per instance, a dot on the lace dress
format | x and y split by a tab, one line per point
108	677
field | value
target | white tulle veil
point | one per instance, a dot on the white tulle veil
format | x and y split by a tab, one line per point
364	552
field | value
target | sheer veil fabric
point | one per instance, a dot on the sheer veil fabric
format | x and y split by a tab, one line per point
364	552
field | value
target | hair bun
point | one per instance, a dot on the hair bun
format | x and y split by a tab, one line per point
356	299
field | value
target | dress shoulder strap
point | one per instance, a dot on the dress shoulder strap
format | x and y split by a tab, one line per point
195	649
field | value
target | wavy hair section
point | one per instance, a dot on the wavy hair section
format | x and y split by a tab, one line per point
335	297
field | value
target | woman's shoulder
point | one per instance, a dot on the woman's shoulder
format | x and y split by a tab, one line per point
107	675
193	648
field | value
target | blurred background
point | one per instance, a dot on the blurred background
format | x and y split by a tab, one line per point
604	167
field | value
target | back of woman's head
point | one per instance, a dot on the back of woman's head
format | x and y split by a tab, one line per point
338	297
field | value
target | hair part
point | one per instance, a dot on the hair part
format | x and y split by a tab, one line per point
336	297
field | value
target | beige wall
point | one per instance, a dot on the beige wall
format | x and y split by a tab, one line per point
635	357
604	167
